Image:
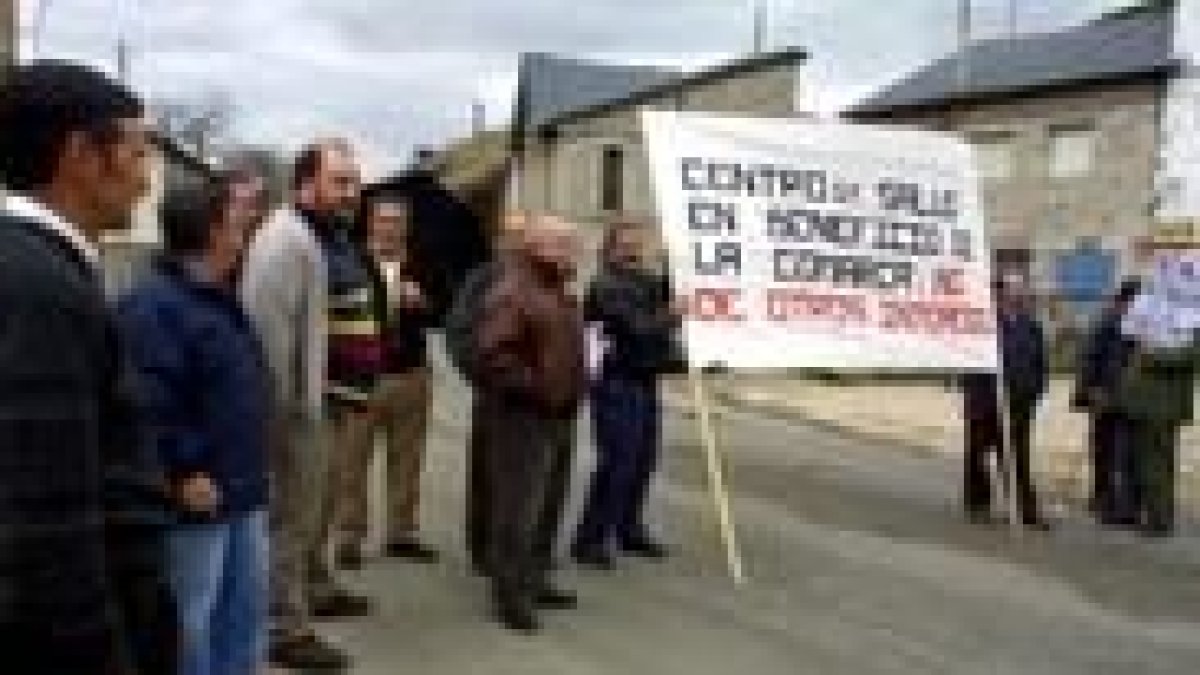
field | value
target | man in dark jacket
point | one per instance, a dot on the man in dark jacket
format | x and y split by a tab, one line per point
205	390
1115	491
531	374
82	504
1025	368
633	310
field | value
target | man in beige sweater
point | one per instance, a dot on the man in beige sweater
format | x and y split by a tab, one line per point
285	290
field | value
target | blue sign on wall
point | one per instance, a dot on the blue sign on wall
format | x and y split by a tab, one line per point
1085	274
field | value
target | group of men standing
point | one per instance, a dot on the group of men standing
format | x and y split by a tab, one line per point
1138	399
163	452
186	469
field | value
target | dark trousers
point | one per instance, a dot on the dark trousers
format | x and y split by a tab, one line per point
1155	446
477	495
626	427
148	613
1117	490
557	492
985	438
526	461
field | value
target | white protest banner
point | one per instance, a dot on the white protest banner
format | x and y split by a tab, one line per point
1167	314
822	245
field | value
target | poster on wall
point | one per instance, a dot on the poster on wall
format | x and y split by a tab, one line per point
798	244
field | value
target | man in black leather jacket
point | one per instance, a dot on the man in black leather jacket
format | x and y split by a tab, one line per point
635	315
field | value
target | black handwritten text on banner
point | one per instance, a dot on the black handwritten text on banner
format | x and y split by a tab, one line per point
837	245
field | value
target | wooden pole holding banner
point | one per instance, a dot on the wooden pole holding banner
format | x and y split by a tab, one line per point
1008	458
716	476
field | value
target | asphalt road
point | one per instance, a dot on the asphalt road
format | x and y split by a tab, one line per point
858	564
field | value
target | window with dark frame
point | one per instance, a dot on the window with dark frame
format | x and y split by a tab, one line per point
612	178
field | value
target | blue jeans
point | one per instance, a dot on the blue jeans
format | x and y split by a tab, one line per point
219	573
626	421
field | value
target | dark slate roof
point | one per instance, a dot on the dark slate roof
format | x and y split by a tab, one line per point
552	86
1111	48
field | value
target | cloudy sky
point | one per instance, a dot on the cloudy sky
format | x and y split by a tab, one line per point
398	73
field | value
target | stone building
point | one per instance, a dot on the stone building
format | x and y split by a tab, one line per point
580	151
574	147
1067	131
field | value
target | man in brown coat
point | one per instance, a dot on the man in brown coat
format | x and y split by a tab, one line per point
529	344
509	242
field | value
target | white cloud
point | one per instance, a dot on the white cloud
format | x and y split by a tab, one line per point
400	73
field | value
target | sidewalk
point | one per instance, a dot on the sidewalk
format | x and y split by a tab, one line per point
927	419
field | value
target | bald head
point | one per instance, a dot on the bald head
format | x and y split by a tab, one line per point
552	241
512	227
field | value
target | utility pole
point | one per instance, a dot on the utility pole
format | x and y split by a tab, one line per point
11	35
125	12
964	40
478	116
123	60
759	8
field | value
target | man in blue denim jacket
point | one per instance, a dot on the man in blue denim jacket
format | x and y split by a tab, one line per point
205	393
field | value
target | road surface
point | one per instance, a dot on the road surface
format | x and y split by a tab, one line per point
858	564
